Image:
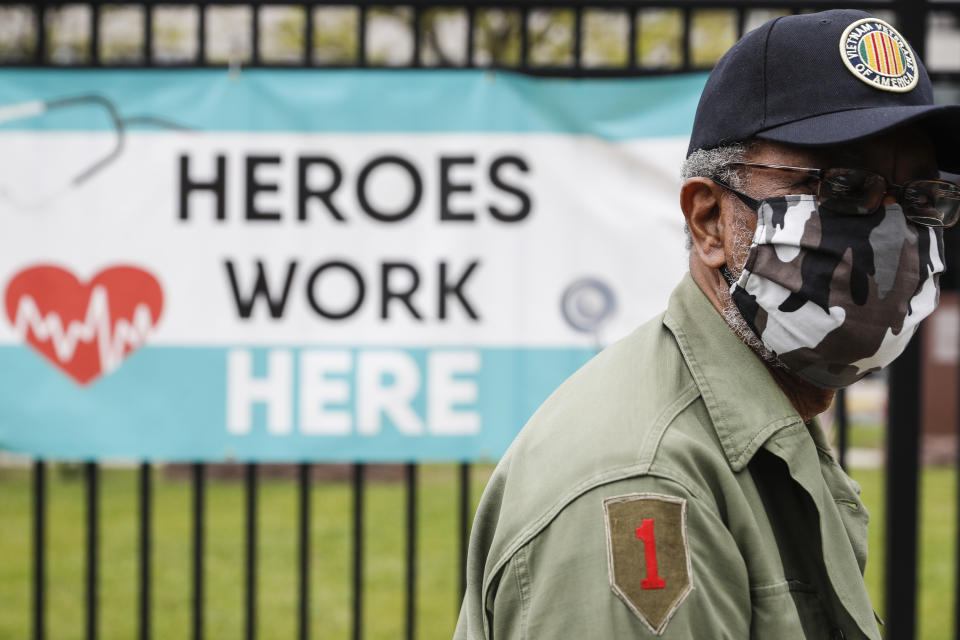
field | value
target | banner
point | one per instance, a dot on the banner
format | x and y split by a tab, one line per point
322	265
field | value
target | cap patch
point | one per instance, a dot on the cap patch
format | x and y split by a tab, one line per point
647	554
877	54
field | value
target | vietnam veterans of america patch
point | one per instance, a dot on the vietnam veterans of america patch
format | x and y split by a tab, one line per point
877	54
648	555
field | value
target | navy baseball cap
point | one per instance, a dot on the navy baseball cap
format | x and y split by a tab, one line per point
822	79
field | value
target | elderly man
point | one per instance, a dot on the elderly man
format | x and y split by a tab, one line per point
679	485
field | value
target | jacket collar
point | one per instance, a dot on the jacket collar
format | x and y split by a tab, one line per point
750	411
743	400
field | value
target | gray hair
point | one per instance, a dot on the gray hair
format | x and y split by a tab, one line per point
712	163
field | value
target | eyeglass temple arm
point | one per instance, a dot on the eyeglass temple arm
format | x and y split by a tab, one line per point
744	198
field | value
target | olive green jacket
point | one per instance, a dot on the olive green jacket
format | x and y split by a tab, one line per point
674	446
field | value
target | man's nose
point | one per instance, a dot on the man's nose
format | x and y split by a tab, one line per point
890	197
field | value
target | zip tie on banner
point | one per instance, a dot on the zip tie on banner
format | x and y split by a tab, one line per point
235	63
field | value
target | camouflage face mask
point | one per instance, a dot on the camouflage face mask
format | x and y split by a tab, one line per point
837	296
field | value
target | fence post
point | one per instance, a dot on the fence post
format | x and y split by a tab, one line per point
250	597
198	534
463	526
358	490
303	522
146	490
903	435
39	549
955	244
411	551
903	462
93	544
843	426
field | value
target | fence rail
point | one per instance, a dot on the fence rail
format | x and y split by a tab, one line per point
911	16
913	19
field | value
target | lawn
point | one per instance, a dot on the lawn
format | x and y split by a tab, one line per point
330	544
437	564
938	530
867	435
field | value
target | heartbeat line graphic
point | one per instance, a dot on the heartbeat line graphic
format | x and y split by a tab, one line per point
97	326
85	329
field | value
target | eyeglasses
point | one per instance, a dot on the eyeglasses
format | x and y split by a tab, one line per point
931	203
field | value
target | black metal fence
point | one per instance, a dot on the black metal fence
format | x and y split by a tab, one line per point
31	46
303	516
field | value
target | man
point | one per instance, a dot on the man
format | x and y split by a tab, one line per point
679	485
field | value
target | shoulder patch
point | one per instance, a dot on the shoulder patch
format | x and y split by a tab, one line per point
876	53
647	554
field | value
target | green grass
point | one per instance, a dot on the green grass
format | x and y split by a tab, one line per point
331	547
938	530
331	503
868	435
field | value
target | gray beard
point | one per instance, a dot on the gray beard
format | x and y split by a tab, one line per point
742	240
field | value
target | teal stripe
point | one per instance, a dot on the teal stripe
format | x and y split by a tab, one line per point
169	403
364	101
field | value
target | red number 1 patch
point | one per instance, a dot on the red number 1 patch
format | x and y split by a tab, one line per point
654	584
645	533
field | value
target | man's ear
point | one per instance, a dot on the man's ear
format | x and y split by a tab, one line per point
700	200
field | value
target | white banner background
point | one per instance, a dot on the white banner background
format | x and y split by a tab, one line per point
600	209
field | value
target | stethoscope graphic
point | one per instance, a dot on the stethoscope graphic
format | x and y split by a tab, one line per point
33	108
587	304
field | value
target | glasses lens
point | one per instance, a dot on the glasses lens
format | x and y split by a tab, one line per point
932	202
852	191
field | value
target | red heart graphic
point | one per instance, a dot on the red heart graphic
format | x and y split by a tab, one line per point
86	329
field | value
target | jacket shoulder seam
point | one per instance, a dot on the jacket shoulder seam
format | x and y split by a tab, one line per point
641	467
651	443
